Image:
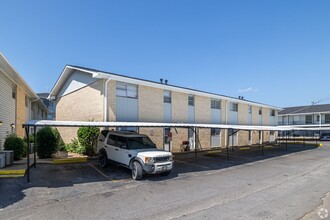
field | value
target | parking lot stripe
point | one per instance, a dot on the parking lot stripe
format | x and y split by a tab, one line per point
100	172
192	164
12	172
244	148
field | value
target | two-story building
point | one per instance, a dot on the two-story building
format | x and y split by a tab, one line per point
18	102
84	94
305	115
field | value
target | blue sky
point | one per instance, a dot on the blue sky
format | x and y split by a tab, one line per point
275	51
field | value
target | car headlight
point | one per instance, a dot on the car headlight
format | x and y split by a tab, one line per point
149	160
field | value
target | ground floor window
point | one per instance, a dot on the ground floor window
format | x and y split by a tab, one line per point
215	137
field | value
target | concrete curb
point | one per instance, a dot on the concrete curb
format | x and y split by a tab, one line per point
70	160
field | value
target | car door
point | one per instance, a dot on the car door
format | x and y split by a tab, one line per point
121	153
110	147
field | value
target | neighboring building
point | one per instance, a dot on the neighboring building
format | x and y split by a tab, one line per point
88	94
49	104
305	115
18	102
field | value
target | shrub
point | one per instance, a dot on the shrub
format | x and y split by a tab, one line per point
59	139
75	147
87	137
16	144
46	142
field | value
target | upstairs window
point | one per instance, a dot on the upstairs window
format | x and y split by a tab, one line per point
272	113
191	100
167	97
13	93
26	101
250	109
126	90
233	107
215	104
260	111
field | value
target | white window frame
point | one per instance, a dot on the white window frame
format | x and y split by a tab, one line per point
167	96
233	107
126	90
215	104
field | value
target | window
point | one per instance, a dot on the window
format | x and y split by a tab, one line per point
260	111
272	112
250	135
309	119
233	107
191	100
126	90
215	131
327	118
13	93
167	96
216	104
103	134
250	109
26	101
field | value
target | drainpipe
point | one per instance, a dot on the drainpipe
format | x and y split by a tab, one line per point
105	107
226	121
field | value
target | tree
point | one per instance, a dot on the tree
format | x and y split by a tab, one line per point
87	137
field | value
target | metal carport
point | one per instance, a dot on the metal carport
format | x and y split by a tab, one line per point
194	127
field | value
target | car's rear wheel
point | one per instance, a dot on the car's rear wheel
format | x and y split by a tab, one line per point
137	171
103	159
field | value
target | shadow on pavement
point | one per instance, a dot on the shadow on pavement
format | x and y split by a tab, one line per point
67	175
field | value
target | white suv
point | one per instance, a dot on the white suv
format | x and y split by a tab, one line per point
134	151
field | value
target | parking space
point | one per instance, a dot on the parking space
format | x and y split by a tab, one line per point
196	183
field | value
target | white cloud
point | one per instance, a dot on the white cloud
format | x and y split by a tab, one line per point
250	89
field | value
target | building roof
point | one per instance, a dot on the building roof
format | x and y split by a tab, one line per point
118	77
305	109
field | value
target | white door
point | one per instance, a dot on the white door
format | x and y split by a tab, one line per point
272	137
233	138
215	137
167	139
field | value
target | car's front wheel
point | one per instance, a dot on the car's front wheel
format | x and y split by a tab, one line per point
103	159
137	171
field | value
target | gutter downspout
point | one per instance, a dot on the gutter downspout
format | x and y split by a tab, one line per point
105	107
226	121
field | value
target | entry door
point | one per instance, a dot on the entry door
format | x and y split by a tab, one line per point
215	137
272	137
167	139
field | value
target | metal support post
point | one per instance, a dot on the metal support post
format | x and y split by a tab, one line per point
227	145
27	130
35	147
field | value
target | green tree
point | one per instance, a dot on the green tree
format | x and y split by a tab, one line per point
47	143
87	137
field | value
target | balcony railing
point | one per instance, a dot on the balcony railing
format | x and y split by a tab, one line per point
303	122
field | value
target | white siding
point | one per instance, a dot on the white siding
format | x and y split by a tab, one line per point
7	107
127	109
167	112
233	118
215	116
191	114
76	81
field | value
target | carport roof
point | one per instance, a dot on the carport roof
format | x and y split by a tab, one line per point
42	123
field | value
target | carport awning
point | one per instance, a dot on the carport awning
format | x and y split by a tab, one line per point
42	123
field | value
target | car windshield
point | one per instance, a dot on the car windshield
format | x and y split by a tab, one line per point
140	143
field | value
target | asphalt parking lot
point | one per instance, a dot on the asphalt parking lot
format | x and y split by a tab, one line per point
278	185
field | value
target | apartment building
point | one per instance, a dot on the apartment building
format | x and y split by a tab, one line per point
87	94
305	115
18	102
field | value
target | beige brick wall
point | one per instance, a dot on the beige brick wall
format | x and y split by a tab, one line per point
82	105
266	116
223	111
204	142
177	138
243	138
243	114
179	107
150	104
202	109
20	112
155	134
